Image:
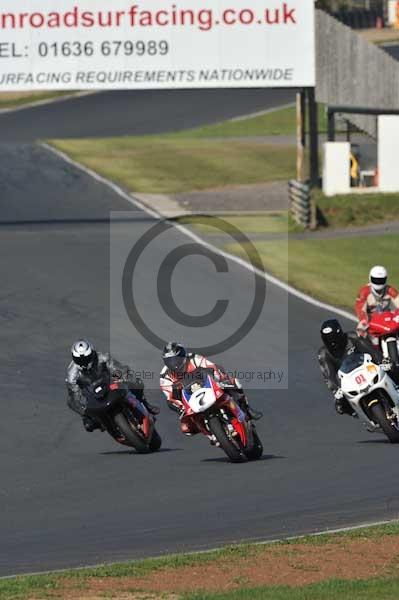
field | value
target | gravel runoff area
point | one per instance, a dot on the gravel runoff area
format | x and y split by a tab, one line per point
244	198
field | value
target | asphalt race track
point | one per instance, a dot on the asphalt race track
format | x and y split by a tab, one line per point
392	50
70	498
135	113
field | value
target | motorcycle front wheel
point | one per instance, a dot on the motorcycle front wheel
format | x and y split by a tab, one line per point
380	417
229	447
132	436
257	449
393	351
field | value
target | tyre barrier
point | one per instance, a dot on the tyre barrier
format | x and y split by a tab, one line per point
300	206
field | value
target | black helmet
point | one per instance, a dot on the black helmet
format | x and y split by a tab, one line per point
83	354
333	337
174	356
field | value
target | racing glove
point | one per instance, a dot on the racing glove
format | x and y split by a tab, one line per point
362	328
386	365
338	394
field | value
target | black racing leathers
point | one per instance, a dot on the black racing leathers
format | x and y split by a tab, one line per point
330	365
105	366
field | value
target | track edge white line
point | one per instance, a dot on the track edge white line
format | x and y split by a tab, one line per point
242	542
156	215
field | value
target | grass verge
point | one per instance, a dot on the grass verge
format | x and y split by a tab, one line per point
166	164
374	589
358	210
16	99
304	560
274	123
332	270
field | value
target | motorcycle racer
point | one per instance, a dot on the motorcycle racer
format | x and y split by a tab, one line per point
179	363
338	345
88	365
376	295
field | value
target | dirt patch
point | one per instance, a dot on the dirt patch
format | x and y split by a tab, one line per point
296	564
264	196
124	596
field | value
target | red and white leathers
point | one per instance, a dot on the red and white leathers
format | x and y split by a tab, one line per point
367	302
171	385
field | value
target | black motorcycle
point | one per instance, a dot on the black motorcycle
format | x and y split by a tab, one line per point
122	415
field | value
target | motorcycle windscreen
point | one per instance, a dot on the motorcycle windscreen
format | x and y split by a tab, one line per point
351	363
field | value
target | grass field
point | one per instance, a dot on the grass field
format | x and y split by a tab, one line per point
200	159
14	99
331	270
358	564
166	164
358	210
276	122
375	589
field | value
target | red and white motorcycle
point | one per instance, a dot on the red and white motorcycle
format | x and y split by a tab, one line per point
218	416
372	394
384	331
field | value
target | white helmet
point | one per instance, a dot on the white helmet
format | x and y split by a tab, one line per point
378	280
83	354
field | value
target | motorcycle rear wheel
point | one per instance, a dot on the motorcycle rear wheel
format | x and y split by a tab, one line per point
230	449
379	415
156	441
132	436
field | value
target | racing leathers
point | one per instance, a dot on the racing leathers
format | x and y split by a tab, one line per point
172	383
368	302
105	365
330	364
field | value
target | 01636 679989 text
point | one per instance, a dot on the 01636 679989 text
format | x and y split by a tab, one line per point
81	49
105	48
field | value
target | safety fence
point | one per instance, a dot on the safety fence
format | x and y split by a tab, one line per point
300	205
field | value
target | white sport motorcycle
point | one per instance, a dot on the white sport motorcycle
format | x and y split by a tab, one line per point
372	394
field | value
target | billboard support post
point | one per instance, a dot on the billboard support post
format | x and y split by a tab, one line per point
314	138
301	135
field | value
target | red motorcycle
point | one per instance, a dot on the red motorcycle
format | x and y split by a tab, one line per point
217	415
384	332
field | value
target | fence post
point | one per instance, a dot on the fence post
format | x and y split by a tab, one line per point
331	125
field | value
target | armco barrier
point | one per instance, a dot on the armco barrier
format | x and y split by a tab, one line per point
300	207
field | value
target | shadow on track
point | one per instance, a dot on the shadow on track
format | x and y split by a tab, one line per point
130	452
74	222
224	459
377	441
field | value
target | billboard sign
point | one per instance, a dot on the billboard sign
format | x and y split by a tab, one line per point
97	44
